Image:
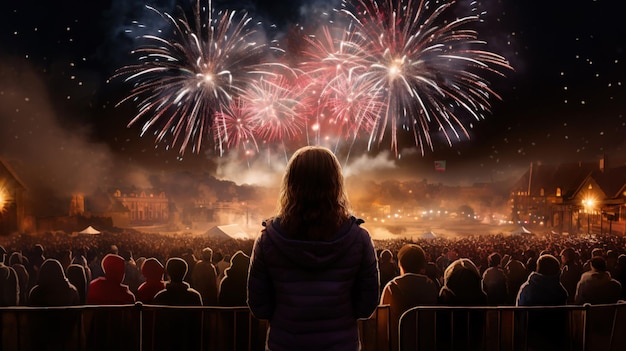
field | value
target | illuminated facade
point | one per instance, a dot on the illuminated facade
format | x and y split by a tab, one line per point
145	207
12	201
574	198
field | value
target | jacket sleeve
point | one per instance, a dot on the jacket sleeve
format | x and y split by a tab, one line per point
260	289
366	288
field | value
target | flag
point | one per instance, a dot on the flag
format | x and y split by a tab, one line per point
440	166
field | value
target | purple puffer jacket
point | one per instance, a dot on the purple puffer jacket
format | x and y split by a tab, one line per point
313	292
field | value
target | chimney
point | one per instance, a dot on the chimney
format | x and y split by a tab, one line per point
603	162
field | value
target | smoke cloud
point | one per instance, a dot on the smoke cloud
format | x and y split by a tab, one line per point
35	142
263	171
366	164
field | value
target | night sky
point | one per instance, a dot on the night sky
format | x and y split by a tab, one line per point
564	101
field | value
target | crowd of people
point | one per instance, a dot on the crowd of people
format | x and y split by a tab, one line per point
506	271
313	271
502	264
56	269
122	267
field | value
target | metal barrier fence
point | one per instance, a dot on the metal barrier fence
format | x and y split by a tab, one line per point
574	328
152	328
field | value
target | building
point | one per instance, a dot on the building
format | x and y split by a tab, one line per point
571	198
145	207
12	201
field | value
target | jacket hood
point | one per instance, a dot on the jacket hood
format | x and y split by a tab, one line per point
51	274
538	278
239	264
314	254
549	286
152	270
114	268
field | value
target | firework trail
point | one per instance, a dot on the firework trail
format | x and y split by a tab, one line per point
184	78
426	67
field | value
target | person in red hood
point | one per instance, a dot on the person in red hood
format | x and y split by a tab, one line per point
153	271
109	290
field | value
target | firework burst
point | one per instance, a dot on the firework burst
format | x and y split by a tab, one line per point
345	105
275	109
235	128
407	66
184	78
427	67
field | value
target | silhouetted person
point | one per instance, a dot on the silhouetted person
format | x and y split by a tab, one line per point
109	290
412	288
494	282
9	283
153	271
177	292
16	261
191	260
52	287
233	285
36	259
597	286
177	329
204	278
76	275
547	329
516	275
132	274
571	270
461	287
52	329
387	268
313	271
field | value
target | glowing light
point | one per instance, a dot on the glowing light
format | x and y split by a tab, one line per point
5	196
589	203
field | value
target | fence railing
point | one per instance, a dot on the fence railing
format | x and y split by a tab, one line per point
130	327
150	328
575	328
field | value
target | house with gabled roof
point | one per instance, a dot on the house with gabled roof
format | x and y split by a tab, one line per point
571	198
602	196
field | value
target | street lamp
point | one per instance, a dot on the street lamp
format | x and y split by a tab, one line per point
588	203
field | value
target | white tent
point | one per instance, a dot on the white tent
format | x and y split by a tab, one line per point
90	231
229	231
521	231
429	235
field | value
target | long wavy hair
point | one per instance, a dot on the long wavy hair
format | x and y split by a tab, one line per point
313	202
